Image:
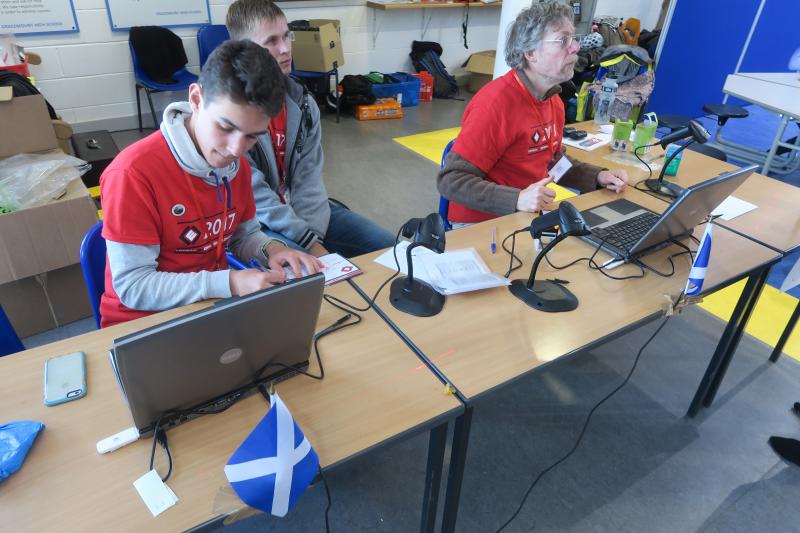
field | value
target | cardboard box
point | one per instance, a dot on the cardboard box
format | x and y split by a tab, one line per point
318	49
480	65
382	108
44	240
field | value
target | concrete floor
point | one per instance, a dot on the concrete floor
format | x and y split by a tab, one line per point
642	465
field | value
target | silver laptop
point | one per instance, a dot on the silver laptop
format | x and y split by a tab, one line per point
627	230
201	362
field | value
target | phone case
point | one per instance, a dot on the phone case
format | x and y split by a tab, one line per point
64	378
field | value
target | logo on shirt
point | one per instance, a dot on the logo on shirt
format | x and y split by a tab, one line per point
540	138
178	210
190	234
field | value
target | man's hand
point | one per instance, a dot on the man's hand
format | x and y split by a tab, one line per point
536	197
615	180
280	256
317	250
251	280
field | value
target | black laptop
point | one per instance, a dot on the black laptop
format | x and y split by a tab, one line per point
199	363
627	230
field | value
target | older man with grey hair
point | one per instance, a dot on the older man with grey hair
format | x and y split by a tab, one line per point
509	147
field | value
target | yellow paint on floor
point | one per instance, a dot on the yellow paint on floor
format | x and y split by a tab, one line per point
772	310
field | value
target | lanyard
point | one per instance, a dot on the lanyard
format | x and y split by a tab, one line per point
221	238
535	105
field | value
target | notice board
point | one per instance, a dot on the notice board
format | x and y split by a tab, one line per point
23	17
123	14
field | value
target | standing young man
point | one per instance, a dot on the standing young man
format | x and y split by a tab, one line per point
511	131
175	199
291	199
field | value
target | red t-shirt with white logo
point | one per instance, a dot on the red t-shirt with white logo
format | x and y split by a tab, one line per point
147	200
510	136
277	132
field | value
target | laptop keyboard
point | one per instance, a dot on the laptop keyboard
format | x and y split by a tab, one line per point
625	234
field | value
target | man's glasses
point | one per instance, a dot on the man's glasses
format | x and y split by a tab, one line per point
566	41
288	37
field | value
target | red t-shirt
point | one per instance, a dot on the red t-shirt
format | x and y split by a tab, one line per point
509	135
147	200
277	132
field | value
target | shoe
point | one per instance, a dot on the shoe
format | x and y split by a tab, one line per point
787	449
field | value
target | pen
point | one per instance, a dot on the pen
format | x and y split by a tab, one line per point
494	239
255	264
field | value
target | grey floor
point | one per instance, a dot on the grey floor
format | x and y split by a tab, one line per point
642	465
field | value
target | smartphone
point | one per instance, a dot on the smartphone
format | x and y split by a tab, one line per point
64	378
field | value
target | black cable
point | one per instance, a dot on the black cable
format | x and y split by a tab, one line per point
649	170
328	496
594	266
585	425
160	436
512	257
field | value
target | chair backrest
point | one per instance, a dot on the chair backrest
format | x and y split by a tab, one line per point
208	38
93	264
9	342
444	203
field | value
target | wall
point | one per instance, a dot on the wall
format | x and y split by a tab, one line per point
88	76
645	10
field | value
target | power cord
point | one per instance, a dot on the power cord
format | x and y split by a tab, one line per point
585	425
512	257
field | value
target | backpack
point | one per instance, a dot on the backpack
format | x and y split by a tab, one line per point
21	86
425	56
356	90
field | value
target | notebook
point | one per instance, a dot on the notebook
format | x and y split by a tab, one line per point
627	230
202	361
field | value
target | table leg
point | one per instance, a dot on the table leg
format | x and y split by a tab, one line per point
455	474
775	142
433	477
785	335
728	342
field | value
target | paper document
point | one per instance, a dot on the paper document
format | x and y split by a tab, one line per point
732	207
452	272
593	141
792	278
336	268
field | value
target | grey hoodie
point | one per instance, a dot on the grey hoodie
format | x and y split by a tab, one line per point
136	280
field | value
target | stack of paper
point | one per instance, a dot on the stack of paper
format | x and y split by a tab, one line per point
336	268
452	272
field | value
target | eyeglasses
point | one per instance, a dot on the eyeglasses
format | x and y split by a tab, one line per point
287	37
565	42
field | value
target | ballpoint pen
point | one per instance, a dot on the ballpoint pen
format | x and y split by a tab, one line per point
494	239
255	264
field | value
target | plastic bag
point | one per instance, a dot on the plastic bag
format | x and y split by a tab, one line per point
27	180
16	438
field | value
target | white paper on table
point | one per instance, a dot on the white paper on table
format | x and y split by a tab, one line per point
732	207
335	267
792	278
601	139
452	272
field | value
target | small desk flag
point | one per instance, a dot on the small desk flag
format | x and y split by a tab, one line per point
274	464
698	273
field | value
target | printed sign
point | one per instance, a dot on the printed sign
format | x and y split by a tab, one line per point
124	14
23	17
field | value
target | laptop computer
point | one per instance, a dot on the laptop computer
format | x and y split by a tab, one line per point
628	231
201	362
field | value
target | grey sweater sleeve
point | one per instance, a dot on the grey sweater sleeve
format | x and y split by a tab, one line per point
140	286
247	241
462	182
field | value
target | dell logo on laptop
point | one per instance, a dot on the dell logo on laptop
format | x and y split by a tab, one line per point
230	356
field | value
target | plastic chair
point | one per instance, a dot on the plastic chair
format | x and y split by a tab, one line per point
208	38
444	203
9	342
93	264
183	78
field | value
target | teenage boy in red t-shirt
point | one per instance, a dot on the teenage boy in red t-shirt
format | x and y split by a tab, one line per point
173	201
511	130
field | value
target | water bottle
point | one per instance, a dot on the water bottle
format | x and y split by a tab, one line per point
605	101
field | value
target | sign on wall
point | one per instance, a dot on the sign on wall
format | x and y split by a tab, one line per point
124	14
37	16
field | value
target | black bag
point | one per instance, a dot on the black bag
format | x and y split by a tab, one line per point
425	56
356	90
21	86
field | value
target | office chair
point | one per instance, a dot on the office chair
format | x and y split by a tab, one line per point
444	203
93	265
9	342
208	38
159	64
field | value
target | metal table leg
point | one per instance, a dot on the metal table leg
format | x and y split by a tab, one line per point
455	474
433	477
728	342
775	143
785	335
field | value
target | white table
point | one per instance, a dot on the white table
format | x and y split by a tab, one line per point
778	92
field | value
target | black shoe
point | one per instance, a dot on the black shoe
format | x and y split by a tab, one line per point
787	449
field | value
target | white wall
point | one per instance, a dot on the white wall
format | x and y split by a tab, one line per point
646	11
88	76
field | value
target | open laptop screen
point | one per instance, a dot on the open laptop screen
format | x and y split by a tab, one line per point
201	358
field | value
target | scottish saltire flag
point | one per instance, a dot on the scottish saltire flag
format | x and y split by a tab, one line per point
698	273
274	464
